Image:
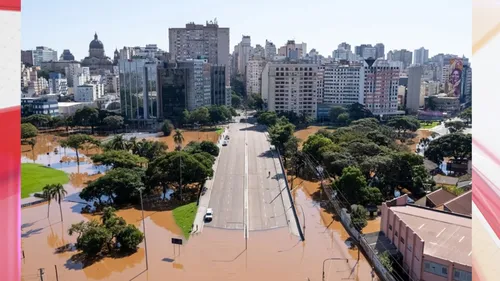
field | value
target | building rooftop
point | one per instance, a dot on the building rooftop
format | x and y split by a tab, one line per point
68	104
447	236
461	204
440	196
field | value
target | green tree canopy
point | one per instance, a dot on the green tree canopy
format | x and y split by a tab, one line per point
87	116
403	124
235	101
167	127
119	185
114	122
119	159
456	145
28	130
358	111
455	126
268	118
352	184
358	217
335	111
466	115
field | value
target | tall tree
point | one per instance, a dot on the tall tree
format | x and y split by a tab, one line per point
167	127
58	193
466	115
358	111
352	184
119	159
178	139
114	122
455	126
335	111
77	142
87	116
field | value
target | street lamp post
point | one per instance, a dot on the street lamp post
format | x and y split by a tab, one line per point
144	228
323	278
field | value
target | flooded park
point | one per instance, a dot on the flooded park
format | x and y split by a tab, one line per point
214	254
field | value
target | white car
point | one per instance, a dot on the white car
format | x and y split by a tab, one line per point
209	215
224	143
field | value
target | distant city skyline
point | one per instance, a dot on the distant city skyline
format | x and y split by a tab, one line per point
124	23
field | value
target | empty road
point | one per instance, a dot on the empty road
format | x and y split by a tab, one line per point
243	194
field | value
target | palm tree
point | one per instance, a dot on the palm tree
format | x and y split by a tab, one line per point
32	143
117	143
57	193
178	139
47	194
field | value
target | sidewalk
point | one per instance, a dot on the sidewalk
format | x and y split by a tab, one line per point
285	198
205	198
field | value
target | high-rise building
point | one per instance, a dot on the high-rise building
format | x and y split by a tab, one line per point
320	88
27	57
344	83
381	87
358	50
343	54
421	56
200	41
218	85
290	87
369	52
258	52
57	84
414	83
270	50
293	50
344	46
254	76
138	93
380	53
43	54
402	55
244	51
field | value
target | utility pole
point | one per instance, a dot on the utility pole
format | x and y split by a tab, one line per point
42	272
144	229
180	175
57	274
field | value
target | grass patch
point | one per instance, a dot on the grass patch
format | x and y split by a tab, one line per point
219	131
428	125
184	217
34	177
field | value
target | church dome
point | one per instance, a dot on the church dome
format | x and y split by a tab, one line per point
96	43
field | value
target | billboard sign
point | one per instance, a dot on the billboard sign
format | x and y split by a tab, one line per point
456	68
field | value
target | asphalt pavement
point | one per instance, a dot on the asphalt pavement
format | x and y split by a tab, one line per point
244	195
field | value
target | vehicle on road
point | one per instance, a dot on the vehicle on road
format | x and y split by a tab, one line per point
224	143
272	147
209	215
227	137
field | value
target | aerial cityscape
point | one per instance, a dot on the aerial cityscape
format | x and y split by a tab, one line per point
252	161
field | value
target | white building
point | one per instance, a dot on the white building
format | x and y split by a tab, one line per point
43	54
413	98
254	76
80	76
58	86
70	108
85	93
320	88
421	56
290	87
293	50
381	87
244	49
344	83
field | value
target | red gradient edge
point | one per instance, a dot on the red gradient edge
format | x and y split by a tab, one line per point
486	200
10	199
10	5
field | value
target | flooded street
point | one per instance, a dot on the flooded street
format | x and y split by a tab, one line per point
215	254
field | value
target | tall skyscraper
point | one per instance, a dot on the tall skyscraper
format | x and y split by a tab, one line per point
358	50
344	46
381	87
195	40
414	82
270	50
254	75
43	54
380	50
244	50
421	55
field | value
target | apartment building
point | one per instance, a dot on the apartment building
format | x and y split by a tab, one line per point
290	86
293	50
57	84
196	40
435	245
421	56
218	85
381	87
244	50
320	89
45	105
270	50
43	54
254	76
344	83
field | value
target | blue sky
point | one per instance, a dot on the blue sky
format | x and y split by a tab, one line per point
442	26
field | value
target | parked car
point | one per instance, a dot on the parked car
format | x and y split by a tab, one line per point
209	215
227	137
224	143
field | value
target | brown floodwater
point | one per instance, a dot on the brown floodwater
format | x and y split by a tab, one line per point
188	137
215	254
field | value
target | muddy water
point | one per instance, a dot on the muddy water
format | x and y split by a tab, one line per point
215	254
188	137
305	133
